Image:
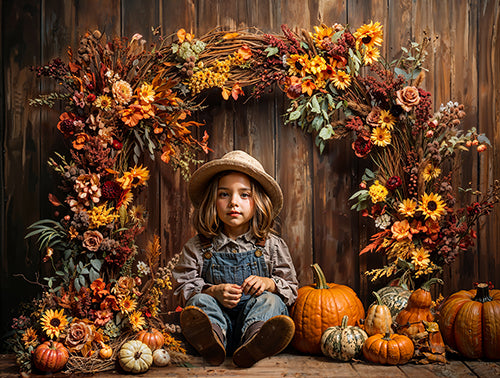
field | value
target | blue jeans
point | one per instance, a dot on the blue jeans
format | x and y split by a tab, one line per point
234	322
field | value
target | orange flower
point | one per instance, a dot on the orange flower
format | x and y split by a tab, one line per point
308	86
341	80
168	151
182	35
225	93
98	288
244	52
131	115
80	141
230	35
236	91
401	230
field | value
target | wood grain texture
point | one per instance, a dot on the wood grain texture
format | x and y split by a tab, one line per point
316	220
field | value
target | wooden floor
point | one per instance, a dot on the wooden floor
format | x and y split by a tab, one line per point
291	365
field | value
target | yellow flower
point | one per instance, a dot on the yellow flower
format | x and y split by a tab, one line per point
308	87
341	80
146	93
137	213
101	216
103	102
317	64
372	54
134	177
322	32
431	172
369	35
30	338
298	64
377	192
127	305
137	321
381	136
420	258
432	206
407	207
53	322
386	120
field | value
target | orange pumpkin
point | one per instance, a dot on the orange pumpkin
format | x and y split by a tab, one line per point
50	356
153	338
319	307
105	352
470	322
388	349
418	309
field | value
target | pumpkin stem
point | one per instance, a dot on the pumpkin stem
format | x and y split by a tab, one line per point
344	321
387	336
379	300
427	285
319	277
482	293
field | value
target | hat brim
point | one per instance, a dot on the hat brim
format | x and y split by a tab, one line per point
202	176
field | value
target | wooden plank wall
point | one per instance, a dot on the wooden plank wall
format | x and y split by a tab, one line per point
316	220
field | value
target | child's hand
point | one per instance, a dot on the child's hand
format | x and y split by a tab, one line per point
255	285
228	295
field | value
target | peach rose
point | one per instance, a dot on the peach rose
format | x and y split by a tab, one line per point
407	97
92	240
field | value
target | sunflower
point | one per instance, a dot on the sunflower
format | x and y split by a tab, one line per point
381	136
298	64
308	87
134	177
371	55
322	32
53	322
386	120
369	35
317	64
137	321
127	305
407	207
420	258
137	213
103	102
30	338
341	80
432	206
146	93
431	172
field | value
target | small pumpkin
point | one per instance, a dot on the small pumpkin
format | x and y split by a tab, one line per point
390	349
105	352
378	318
394	297
135	357
343	342
319	307
161	357
153	338
418	309
51	356
470	322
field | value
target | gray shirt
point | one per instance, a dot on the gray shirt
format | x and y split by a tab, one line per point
187	272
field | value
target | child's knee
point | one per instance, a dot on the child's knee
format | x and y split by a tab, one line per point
201	300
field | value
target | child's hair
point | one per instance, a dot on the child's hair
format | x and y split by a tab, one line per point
207	223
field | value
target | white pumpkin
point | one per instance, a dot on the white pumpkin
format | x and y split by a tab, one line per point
161	357
135	357
343	342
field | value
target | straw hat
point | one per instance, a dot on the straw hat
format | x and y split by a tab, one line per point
238	161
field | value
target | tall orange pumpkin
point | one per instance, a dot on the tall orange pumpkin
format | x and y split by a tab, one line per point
321	306
470	322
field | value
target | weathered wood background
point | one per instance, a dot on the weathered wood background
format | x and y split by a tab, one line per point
316	220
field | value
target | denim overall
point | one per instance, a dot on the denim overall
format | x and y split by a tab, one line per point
228	267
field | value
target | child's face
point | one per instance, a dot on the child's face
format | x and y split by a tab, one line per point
235	203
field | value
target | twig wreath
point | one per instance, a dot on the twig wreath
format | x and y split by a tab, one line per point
123	99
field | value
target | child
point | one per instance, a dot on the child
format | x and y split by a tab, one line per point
236	277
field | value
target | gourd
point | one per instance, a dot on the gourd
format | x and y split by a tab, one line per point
343	342
378	318
153	338
388	349
161	357
394	297
319	307
51	356
135	357
418	309
470	322
105	352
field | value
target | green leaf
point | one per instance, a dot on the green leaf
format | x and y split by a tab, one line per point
317	123
271	50
326	132
93	275
96	264
359	193
294	115
315	105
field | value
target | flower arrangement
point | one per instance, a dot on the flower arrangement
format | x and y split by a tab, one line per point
123	99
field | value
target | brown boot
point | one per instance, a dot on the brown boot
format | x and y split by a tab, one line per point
274	336
202	335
